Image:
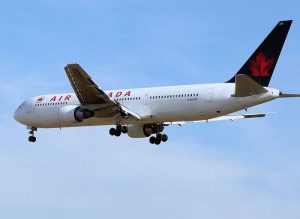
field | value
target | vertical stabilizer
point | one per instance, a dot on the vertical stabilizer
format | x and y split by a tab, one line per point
262	62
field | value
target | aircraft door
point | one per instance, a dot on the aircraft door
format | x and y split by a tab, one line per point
145	99
209	95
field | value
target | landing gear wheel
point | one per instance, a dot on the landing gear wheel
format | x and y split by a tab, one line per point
157	141
164	138
118	132
152	140
159	136
112	131
31	138
124	129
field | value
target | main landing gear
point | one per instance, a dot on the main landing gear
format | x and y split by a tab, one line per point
158	138
32	138
118	130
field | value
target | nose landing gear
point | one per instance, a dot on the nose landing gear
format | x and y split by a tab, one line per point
32	138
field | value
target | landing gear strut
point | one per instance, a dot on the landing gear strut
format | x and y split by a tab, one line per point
158	138
31	138
118	130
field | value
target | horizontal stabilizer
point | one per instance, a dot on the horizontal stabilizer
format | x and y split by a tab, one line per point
288	95
246	86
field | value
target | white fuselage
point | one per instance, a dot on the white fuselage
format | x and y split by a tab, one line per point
153	105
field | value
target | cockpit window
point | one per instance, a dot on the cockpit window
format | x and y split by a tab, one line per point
23	104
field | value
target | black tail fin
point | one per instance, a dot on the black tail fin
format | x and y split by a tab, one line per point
262	62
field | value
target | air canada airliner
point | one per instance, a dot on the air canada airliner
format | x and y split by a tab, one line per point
145	112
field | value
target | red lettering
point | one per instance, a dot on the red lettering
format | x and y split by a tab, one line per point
68	97
53	98
60	98
118	94
127	94
110	94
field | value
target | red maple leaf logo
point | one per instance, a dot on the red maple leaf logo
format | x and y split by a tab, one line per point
40	99
260	66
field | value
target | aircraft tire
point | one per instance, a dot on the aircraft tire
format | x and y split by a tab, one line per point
152	140
124	129
164	138
112	131
118	133
31	138
157	141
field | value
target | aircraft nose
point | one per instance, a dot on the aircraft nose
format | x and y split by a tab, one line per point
16	115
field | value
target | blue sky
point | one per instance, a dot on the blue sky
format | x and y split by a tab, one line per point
242	169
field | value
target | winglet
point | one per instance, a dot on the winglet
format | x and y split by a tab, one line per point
246	86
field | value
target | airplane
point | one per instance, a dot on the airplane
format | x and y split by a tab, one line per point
145	112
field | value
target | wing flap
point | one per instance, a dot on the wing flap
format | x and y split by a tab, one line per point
130	112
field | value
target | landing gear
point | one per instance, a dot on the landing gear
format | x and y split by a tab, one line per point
31	138
118	130
158	139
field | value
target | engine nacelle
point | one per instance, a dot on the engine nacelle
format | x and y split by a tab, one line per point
74	114
142	131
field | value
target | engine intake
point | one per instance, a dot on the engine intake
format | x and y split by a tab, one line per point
81	114
74	114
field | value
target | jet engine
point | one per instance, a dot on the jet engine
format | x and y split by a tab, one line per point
142	131
74	114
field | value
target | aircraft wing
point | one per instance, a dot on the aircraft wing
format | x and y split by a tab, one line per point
232	117
90	95
86	90
229	117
